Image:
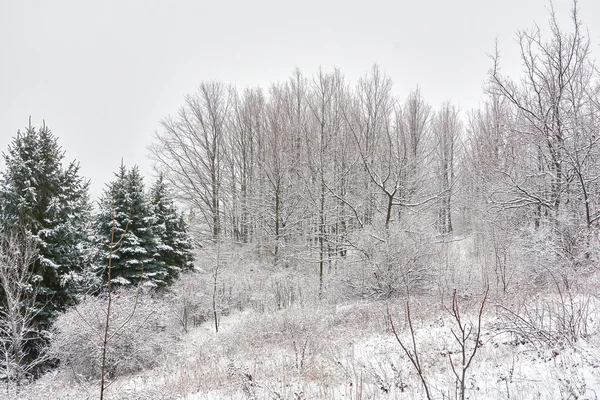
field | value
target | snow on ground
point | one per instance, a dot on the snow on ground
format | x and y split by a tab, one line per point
347	352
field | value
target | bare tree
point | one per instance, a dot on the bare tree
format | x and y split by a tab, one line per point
189	151
325	101
446	129
414	121
19	339
492	152
392	143
491	146
370	121
107	336
280	170
554	108
413	353
242	153
467	337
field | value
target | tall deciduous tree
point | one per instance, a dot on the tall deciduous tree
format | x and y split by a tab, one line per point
446	130
190	151
370	122
555	108
323	132
247	128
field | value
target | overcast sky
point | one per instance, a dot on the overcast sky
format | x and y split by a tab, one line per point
102	74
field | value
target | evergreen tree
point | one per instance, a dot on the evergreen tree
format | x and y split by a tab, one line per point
125	201
173	241
50	201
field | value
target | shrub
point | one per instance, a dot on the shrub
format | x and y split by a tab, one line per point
141	330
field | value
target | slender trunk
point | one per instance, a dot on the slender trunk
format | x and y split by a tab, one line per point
388	215
277	224
321	236
215	208
215	282
235	209
244	212
109	303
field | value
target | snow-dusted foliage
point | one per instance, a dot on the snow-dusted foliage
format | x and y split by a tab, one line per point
126	217
151	233
49	199
173	244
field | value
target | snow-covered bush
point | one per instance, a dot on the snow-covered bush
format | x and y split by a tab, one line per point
141	331
233	279
389	262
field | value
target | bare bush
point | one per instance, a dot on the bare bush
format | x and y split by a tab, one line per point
242	283
548	320
186	300
393	262
144	337
466	335
411	351
557	274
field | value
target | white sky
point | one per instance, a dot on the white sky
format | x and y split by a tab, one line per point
104	73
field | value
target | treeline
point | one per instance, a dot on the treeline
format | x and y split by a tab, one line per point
315	162
310	160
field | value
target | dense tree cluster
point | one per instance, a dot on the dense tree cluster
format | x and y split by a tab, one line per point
53	243
153	244
312	163
308	164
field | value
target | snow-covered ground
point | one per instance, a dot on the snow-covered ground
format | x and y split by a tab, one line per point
349	352
278	339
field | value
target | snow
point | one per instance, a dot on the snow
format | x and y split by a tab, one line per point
121	281
345	352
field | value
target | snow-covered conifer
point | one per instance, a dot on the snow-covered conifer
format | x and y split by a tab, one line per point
174	244
125	201
50	200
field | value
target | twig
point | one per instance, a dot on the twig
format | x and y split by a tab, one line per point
462	338
414	355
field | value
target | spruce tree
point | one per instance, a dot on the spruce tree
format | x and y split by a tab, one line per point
125	200
173	241
50	201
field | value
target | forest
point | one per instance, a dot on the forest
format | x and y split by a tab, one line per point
320	239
